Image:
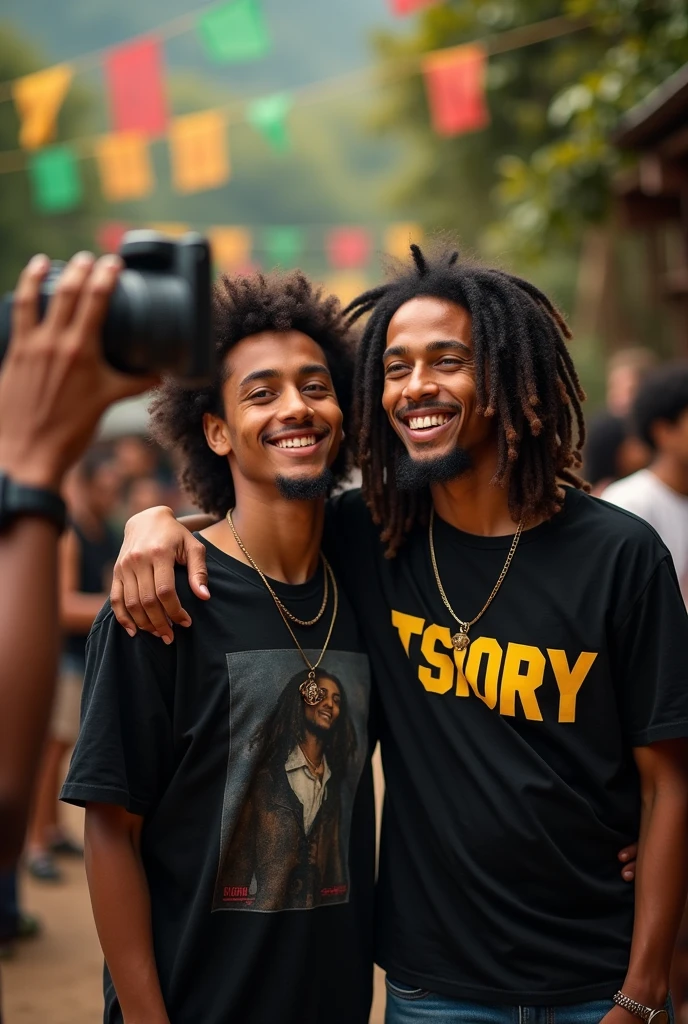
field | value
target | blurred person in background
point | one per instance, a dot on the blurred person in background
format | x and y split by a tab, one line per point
612	451
87	554
145	492
626	370
135	458
659	494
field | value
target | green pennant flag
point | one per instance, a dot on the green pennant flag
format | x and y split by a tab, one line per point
283	246
56	179
269	117
234	32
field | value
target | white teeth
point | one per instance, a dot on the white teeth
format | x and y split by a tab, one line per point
423	422
297	442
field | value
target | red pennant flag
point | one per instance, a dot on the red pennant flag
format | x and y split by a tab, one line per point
402	7
134	75
455	83
109	236
348	248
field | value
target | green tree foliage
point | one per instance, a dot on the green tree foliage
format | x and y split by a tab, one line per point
23	229
542	171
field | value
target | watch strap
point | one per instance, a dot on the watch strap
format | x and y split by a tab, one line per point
18	499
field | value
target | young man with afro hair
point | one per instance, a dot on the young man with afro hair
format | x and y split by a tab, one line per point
527	642
228	882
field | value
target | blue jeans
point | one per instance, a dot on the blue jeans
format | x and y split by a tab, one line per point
408	1005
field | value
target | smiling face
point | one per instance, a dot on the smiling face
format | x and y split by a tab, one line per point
282	425
323	716
429	388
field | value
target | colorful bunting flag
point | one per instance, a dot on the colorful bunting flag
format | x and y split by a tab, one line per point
455	83
348	248
346	285
231	248
109	236
38	99
198	151
234	32
283	246
134	75
398	238
56	179
125	166
402	7
269	116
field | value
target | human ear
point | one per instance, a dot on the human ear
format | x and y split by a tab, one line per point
216	434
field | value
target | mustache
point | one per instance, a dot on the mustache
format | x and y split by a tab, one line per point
432	403
288	431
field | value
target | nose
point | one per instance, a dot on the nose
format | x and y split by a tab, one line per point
420	385
294	408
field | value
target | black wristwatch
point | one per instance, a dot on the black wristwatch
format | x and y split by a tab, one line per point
640	1011
19	500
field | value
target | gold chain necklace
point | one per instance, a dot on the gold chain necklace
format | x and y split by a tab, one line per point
311	693
316	767
283	608
461	639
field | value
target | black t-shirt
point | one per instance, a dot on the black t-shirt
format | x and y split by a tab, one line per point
511	784
97	556
261	877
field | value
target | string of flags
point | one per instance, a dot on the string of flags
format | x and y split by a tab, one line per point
139	113
237	248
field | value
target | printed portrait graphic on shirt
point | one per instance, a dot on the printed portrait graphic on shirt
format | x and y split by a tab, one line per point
291	780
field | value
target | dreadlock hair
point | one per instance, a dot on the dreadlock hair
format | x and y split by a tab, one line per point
286	727
243	306
525	379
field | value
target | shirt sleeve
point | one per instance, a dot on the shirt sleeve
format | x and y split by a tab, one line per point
125	751
650	660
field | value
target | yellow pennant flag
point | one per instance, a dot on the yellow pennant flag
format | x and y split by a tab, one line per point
346	285
198	151
125	166
38	99
398	238
231	248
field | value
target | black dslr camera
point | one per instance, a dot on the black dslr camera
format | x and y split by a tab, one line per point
158	320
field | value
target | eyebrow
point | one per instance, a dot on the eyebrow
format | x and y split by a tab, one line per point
271	374
433	346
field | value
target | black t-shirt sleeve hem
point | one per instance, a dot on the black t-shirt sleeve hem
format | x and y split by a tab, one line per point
82	794
657	733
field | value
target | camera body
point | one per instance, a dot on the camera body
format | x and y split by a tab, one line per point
159	316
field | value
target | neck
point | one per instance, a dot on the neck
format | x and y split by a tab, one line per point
672	473
312	747
283	537
473	504
86	518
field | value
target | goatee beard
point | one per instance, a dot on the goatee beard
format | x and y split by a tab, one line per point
415	474
305	488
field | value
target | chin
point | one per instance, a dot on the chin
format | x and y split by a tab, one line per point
305	487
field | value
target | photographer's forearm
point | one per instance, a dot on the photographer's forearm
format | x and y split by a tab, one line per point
29	646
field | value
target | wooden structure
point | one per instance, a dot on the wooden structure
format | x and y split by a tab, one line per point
653	195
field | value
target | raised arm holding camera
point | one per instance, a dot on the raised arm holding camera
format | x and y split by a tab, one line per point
54	387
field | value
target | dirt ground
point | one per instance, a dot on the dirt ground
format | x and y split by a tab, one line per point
56	978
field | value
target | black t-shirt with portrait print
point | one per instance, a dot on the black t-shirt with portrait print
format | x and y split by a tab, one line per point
260	868
510	778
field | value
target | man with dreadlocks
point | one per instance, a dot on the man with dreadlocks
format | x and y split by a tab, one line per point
528	645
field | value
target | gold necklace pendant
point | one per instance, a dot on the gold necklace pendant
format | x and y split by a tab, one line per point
311	693
461	640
